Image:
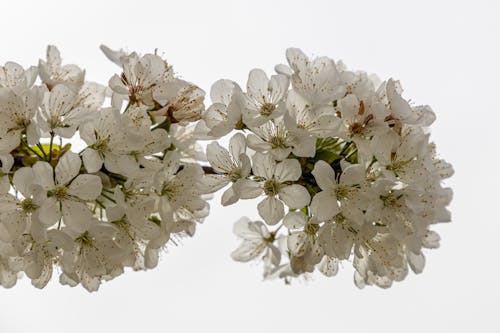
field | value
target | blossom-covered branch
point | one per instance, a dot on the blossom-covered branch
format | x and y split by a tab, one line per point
114	204
341	160
341	163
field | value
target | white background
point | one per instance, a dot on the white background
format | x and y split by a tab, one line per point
446	54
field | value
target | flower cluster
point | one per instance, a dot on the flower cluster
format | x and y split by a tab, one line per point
340	163
117	202
342	166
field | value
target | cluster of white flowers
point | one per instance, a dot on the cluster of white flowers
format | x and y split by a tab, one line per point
347	156
342	165
117	202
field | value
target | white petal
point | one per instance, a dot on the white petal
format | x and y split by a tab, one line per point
213	183
296	58
247	229
37	229
14	223
324	175
416	261
341	241
271	210
151	257
60	239
295	196
23	180
117	85
165	209
4	185
9	141
283	69
67	168
257	144
278	86
123	164
92	160
8	202
324	206
352	175
7	162
306	146
280	154
381	145
237	145
61	100
66	132
219	158
288	170
222	91
295	220
76	215
49	212
359	280
399	106
44	277
86	187
257	84
349	106
248	250
264	165
53	56
245	164
297	242
328	266
431	240
247	189
33	268
273	255
44	175
229	197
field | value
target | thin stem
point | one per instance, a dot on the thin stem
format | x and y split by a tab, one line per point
344	149
31	149
50	145
351	153
127	107
100	203
39	145
108	197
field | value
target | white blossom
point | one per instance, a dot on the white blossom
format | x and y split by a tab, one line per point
275	178
325	204
230	166
225	114
67	192
18	116
141	76
257	242
15	77
93	257
52	72
109	144
264	97
274	137
362	152
180	101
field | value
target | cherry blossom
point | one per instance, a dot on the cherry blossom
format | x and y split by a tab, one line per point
99	179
